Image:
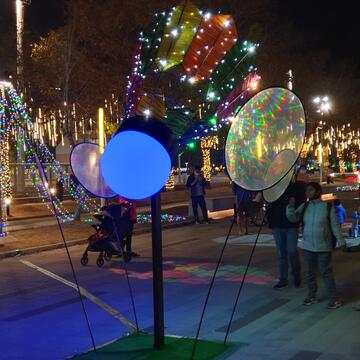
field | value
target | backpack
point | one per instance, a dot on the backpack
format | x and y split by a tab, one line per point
333	238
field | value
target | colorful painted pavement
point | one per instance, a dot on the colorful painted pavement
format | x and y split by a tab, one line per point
201	273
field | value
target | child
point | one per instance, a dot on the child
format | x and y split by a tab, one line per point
319	225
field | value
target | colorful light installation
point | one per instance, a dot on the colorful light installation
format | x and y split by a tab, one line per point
178	120
204	44
233	68
237	97
85	164
279	164
216	35
17	124
179	32
135	85
150	40
151	104
271	121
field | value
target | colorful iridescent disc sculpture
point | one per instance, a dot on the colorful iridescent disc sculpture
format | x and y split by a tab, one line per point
85	164
274	193
270	122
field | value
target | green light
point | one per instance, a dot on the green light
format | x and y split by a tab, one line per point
191	145
237	109
212	120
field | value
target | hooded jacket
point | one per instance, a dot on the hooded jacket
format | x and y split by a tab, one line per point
316	227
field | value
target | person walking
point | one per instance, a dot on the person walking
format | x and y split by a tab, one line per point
320	225
286	236
197	183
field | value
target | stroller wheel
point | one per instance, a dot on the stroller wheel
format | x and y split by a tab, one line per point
107	256
100	262
84	260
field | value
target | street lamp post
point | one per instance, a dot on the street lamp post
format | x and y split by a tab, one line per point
323	106
19	7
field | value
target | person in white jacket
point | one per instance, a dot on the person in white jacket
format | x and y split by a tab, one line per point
320	224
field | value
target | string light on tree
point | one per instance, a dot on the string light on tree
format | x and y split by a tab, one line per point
207	143
170	184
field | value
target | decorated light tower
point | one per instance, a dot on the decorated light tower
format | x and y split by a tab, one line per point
5	179
323	106
207	144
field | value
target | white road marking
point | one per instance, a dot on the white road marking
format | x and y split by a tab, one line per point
84	293
264	240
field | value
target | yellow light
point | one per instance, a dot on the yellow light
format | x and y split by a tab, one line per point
170	184
207	143
101	129
259	146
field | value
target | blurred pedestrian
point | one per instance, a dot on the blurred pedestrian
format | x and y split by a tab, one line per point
340	212
320	225
197	183
329	179
244	206
301	175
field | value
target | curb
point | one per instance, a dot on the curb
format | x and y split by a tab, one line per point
37	249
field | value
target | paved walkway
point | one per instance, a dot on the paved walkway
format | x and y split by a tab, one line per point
41	318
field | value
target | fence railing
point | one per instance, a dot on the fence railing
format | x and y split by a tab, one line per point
21	182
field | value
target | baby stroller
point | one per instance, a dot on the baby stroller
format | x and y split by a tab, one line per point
106	241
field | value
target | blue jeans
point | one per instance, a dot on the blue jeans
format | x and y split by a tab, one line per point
286	245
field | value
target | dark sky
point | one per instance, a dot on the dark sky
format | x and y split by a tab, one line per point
41	15
326	24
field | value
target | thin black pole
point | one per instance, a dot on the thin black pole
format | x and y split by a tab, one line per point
118	240
211	285
43	178
158	292
243	279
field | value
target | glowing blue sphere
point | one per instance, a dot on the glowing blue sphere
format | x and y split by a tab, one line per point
135	165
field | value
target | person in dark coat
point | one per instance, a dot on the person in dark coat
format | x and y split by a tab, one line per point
286	235
197	183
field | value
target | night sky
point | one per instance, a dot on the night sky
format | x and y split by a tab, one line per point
325	24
